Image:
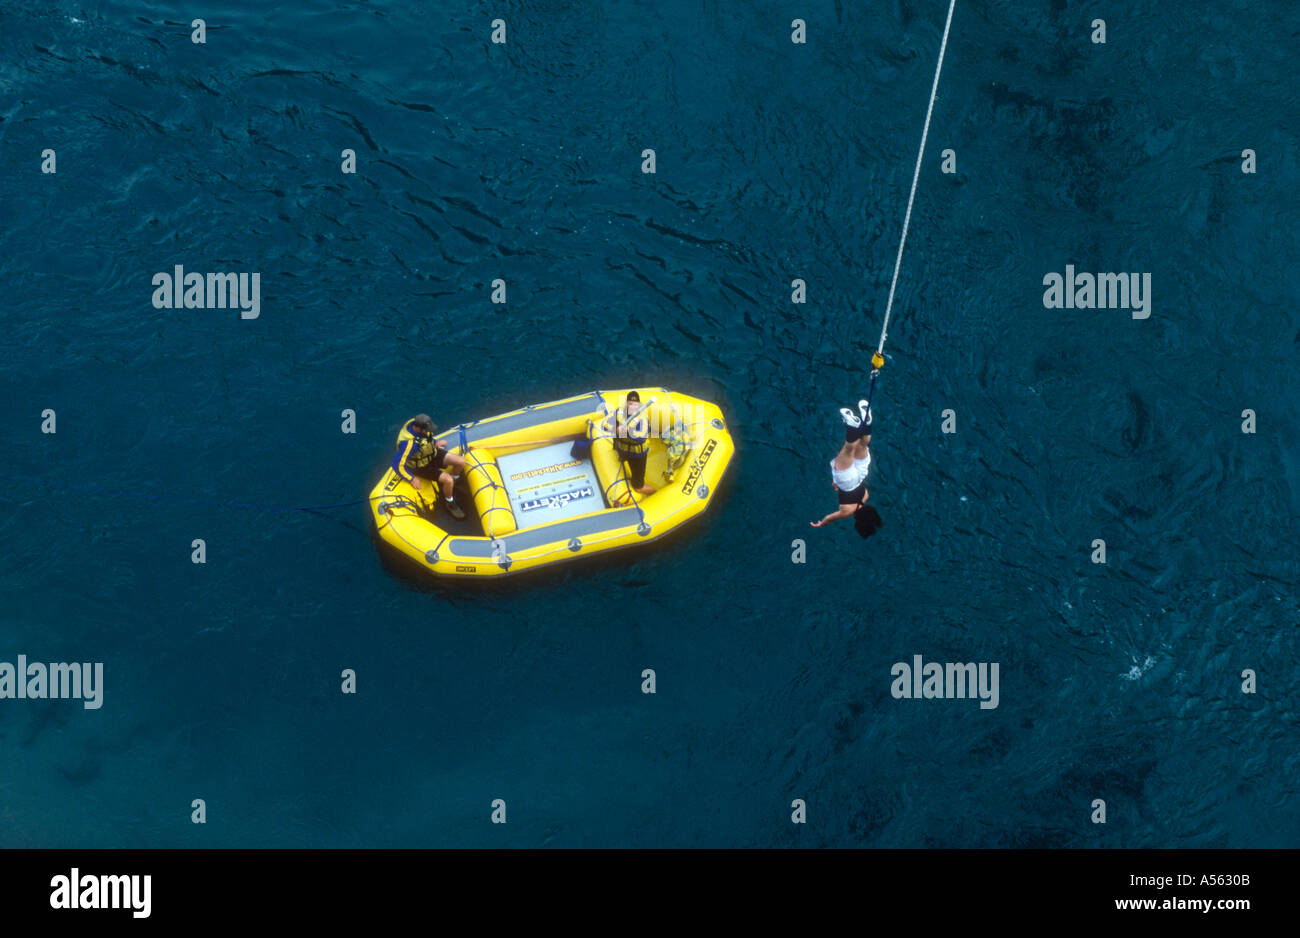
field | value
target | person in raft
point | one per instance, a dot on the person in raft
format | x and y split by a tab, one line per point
631	437
850	465
424	457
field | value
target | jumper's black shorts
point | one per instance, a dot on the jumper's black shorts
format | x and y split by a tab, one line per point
635	468
852	498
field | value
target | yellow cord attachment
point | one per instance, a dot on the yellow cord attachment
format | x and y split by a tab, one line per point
877	360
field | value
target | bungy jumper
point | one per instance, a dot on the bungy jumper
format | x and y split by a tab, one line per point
548	485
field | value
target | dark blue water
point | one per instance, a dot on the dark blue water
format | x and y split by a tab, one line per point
775	161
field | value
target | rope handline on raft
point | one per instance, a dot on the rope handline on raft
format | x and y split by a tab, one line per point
877	356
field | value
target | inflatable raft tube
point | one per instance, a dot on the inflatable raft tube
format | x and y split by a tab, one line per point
548	485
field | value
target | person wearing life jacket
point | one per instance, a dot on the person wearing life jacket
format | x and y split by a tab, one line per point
849	470
631	438
421	456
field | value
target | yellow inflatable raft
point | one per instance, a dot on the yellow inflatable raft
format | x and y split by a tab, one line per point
547	485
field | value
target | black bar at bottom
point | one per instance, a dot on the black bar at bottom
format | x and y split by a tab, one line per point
991	886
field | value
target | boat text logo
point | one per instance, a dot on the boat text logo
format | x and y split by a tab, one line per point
558	500
545	470
697	466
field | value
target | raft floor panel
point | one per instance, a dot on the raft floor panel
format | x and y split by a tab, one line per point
547	484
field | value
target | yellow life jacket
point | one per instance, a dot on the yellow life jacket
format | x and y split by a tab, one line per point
631	436
422	449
